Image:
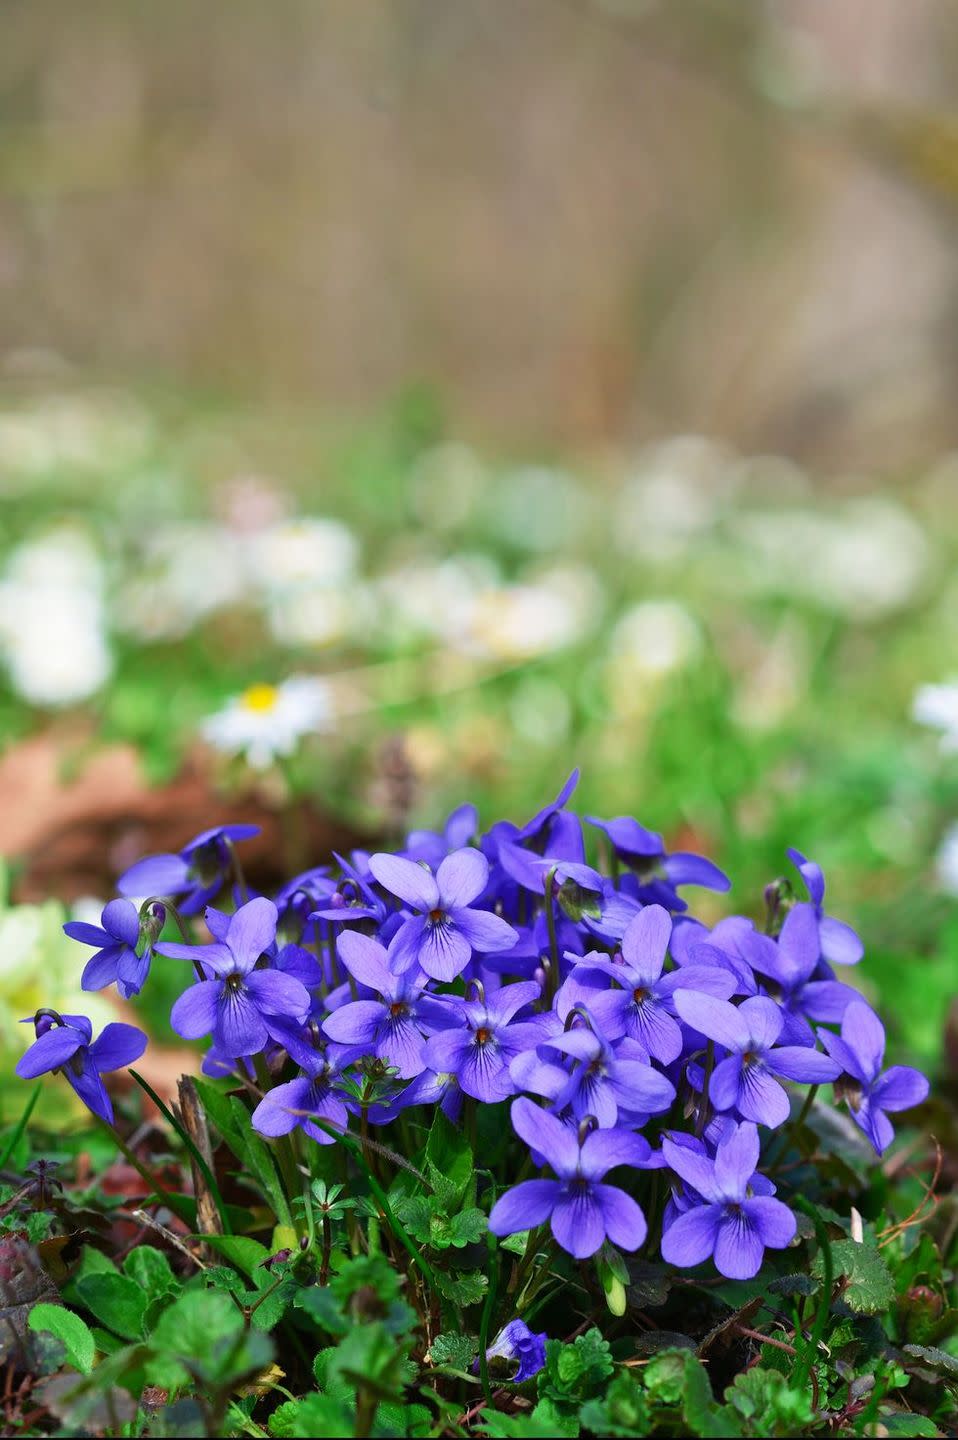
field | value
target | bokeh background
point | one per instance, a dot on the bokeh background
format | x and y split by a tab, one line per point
538	383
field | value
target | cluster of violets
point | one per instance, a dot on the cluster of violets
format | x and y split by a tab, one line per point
623	1034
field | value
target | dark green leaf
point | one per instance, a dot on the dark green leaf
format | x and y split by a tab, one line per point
116	1301
70	1329
869	1287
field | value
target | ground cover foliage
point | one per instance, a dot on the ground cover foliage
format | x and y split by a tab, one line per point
493	1137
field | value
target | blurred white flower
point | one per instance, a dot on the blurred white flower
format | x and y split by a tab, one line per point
432	598
188	571
58	432
267	722
675	495
52	628
517	622
946	861
865	561
309	551
655	637
311	616
649	642
937	707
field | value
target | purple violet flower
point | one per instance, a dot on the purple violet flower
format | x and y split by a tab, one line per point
391	1028
746	1079
431	847
116	939
733	1224
196	874
485	1040
516	1341
442	938
643	1008
868	1090
791	963
583	1211
65	1043
312	1096
840	945
243	1007
658	874
603	1082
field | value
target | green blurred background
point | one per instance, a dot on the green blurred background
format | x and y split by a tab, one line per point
559	381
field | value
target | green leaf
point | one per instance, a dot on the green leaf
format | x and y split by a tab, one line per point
258	1160
70	1329
240	1250
116	1301
869	1288
623	1411
768	1405
938	1360
393	1419
313	1415
905	1422
464	1288
574	1372
457	1351
150	1269
449	1164
467	1227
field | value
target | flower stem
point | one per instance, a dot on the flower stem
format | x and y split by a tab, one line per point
552	983
703	1110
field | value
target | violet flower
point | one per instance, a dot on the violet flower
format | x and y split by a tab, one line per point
643	1008
195	875
840	945
733	1224
516	1341
460	829
392	1027
65	1043
746	1079
792	963
868	1090
243	1007
583	1211
443	937
300	1102
658	874
487	1038
116	938
604	1081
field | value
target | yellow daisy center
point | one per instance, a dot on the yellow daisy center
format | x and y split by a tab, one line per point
260	698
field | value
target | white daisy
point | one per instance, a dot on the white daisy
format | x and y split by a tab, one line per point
267	722
937	707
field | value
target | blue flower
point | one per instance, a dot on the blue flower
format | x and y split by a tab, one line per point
116	938
582	1210
442	938
195	876
244	1006
65	1044
516	1341
731	1222
869	1090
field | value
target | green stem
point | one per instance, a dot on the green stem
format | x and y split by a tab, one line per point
552	983
704	1101
486	1319
14	1140
778	1153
